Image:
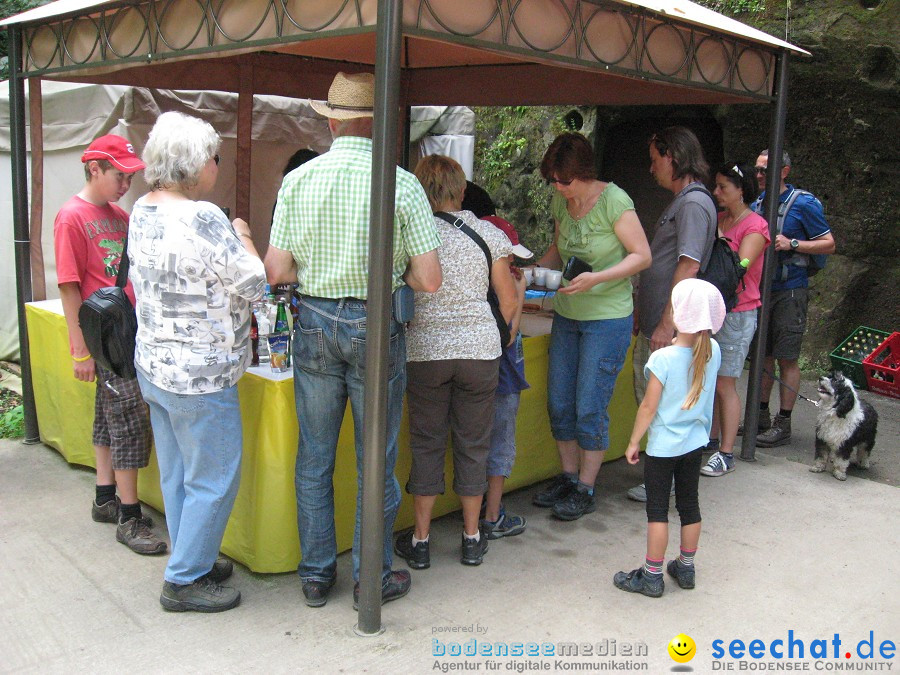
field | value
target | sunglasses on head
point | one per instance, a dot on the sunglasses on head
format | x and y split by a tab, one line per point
564	183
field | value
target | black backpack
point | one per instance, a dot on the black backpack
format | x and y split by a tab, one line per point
109	324
724	269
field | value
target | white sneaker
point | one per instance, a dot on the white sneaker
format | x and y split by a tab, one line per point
639	492
718	465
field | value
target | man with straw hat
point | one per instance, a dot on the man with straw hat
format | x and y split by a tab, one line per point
320	238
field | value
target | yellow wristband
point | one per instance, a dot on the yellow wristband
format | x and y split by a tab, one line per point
81	359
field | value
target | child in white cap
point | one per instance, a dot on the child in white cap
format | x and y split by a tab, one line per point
677	410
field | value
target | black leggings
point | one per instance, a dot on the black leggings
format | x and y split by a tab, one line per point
658	473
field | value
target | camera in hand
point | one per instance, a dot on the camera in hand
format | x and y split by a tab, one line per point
574	267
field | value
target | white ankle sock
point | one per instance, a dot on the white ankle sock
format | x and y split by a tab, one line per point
474	537
420	541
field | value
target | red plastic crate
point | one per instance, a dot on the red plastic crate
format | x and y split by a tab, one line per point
883	367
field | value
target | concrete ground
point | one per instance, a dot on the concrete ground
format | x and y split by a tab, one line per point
782	550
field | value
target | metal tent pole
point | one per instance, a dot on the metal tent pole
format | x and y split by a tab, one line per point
21	228
773	185
381	233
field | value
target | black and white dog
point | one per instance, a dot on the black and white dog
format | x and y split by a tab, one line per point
846	427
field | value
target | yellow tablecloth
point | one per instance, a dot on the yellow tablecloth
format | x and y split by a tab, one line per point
262	530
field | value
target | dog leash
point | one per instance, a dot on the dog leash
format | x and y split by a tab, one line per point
782	382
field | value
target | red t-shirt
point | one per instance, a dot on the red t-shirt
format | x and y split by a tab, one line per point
748	298
89	240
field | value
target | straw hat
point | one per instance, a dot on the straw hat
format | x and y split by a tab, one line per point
697	305
350	95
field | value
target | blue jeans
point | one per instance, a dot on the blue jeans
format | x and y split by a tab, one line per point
585	359
199	441
329	352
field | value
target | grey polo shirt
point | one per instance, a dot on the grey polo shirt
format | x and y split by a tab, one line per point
686	228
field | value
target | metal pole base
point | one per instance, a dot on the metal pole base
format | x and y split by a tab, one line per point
748	458
32	441
360	633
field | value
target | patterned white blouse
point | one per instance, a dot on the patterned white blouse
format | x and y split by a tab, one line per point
456	321
193	283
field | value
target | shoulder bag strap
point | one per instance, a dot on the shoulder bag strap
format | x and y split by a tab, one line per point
468	231
122	276
715	232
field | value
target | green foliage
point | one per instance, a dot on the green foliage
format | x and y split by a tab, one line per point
11	8
12	423
735	6
497	159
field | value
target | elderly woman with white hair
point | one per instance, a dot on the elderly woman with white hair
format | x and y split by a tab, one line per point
194	275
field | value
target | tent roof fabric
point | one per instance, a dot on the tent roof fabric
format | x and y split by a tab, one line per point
575	51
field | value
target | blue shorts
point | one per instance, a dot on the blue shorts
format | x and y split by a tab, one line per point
503	437
734	340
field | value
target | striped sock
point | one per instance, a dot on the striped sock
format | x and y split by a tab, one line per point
653	566
687	557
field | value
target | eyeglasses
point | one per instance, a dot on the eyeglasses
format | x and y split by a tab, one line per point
760	170
564	183
216	159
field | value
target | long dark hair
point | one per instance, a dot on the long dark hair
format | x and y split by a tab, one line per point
681	144
741	176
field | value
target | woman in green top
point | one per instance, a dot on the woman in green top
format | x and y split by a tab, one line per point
595	222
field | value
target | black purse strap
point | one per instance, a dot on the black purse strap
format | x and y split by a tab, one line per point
122	276
460	225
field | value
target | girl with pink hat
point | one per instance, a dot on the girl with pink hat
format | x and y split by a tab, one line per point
677	410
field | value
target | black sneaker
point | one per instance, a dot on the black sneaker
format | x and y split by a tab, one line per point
683	574
221	570
203	595
636	581
557	490
575	505
316	592
418	556
395	586
473	551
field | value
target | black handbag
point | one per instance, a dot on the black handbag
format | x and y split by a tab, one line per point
493	301
109	324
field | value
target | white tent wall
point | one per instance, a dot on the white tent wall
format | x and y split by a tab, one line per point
75	114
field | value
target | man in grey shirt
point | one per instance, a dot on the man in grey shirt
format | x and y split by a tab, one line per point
680	248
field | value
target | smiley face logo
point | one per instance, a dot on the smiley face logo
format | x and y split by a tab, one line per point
682	648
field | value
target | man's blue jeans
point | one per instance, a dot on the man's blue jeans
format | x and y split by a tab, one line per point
585	360
199	441
329	351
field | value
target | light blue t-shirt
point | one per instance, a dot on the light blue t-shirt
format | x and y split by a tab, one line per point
673	431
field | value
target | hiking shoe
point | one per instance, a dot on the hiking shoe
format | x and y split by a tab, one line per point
395	586
417	557
639	492
575	505
683	574
473	551
204	595
558	489
137	535
221	570
764	423
718	465
316	592
507	525
636	581
105	513
778	434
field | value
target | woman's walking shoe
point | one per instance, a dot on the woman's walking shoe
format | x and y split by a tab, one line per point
316	592
417	557
683	574
557	490
395	586
637	581
203	595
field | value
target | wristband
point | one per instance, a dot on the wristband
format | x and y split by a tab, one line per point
81	359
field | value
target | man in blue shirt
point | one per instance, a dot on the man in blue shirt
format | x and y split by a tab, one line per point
805	233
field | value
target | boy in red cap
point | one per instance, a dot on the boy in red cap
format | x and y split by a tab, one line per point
89	237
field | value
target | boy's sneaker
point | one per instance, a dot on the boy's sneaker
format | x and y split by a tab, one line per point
575	505
507	525
718	465
105	513
417	557
395	586
473	551
636	581
683	574
558	489
204	595
137	535
639	492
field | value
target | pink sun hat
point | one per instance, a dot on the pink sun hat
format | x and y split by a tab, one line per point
697	305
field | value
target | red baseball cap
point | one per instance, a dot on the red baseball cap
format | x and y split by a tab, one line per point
519	250
115	150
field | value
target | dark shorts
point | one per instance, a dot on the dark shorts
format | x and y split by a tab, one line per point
787	323
121	421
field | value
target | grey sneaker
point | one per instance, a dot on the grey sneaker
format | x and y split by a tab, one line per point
763	424
106	513
636	581
137	535
718	465
639	492
204	595
778	434
683	574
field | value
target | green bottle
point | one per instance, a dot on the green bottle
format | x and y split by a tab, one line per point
281	322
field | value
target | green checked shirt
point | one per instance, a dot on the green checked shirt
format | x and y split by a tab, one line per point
322	218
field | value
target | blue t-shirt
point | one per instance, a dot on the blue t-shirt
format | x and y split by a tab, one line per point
512	369
673	431
805	221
